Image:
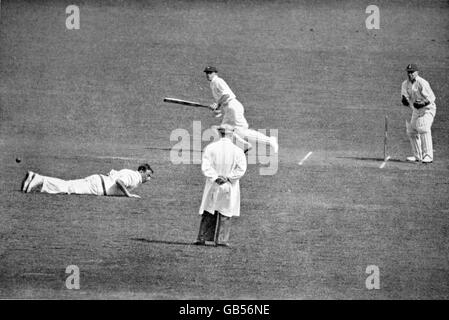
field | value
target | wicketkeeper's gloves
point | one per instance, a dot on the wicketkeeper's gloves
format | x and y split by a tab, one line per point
418	104
405	101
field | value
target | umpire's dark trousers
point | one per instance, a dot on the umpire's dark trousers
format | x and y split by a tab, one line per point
215	227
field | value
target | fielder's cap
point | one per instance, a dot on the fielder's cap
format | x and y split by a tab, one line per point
226	128
210	69
412	67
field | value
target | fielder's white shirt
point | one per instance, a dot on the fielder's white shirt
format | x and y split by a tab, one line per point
419	90
130	178
222	158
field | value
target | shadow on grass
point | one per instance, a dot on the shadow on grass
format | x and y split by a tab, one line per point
373	159
209	245
162	241
158	148
170	149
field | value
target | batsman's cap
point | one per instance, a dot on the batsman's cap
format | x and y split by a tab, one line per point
210	69
226	128
412	67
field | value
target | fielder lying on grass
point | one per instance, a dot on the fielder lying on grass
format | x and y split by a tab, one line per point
116	183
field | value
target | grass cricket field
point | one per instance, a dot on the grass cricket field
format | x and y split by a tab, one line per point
84	101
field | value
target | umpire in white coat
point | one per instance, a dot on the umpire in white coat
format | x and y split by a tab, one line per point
223	164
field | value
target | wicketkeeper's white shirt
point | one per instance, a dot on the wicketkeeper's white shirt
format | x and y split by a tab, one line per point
419	90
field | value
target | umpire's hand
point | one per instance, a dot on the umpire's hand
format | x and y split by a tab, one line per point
220	180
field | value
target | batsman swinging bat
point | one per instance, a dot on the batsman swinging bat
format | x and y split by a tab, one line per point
185	102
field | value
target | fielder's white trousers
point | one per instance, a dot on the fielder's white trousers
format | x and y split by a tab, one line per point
90	185
420	133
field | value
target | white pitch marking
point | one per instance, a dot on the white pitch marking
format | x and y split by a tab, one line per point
305	158
119	158
384	163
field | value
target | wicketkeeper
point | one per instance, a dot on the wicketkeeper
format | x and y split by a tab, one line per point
417	94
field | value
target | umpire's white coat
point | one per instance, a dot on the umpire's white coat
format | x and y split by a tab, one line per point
222	158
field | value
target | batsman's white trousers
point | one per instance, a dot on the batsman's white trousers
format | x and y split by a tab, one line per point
90	185
234	116
420	133
253	136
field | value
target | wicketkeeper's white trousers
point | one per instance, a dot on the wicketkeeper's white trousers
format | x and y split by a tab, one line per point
420	134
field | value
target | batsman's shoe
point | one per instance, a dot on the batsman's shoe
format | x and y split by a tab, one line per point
413	159
35	181
222	244
274	144
427	159
199	243
26	181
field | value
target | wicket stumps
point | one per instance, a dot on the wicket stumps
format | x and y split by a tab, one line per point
386	157
385	138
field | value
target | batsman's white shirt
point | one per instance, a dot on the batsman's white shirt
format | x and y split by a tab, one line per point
93	184
219	88
232	108
222	158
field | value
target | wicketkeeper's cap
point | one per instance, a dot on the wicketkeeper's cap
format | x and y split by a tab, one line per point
412	67
210	69
226	128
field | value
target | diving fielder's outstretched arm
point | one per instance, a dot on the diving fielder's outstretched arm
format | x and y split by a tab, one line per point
122	187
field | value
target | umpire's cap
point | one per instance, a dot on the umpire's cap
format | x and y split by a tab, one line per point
210	69
412	67
225	128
